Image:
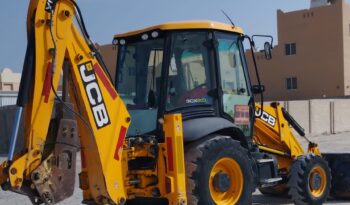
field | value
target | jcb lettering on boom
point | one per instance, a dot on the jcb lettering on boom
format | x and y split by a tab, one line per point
94	95
50	5
269	119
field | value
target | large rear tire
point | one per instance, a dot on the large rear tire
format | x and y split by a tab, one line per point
218	171
309	180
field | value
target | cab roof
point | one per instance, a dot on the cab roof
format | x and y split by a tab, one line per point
185	25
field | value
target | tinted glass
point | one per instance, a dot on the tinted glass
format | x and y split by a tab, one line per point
189	79
139	73
236	96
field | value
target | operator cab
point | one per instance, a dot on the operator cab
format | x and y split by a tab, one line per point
196	68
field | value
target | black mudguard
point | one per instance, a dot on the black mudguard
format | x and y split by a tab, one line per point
198	128
340	168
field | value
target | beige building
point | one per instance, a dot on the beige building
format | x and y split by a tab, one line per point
312	58
9	81
109	55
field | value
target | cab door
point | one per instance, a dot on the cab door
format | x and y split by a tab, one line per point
236	96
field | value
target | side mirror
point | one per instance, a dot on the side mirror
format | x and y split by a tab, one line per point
258	89
267	45
268	51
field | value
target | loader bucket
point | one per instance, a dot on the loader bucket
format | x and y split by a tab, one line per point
340	168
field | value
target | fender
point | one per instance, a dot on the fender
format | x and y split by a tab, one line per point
196	129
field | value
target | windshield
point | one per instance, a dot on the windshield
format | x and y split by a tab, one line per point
233	79
189	72
139	71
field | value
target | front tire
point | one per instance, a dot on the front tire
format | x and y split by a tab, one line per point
309	180
218	171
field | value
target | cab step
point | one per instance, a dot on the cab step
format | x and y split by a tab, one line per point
261	161
270	182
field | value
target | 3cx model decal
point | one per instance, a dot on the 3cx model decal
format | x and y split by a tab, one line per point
196	100
94	95
269	119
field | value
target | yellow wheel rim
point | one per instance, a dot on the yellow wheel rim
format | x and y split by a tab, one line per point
317	181
230	168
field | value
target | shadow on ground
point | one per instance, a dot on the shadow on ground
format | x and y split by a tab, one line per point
259	199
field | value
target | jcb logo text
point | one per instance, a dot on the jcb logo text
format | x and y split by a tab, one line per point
94	95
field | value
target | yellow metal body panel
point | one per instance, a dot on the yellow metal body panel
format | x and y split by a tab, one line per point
175	159
38	113
103	162
314	149
273	135
274	151
105	176
168	174
146	180
183	25
100	148
280	136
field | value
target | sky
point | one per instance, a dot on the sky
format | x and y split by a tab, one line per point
104	18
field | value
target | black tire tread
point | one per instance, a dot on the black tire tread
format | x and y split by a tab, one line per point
196	153
298	183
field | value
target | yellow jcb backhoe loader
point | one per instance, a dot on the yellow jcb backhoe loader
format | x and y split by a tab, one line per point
148	161
204	77
178	131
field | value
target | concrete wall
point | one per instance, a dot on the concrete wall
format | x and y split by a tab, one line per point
8	98
341	115
320	116
324	116
300	112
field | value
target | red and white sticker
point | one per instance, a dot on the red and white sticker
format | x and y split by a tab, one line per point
242	115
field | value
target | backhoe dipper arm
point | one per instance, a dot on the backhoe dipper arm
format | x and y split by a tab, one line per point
102	117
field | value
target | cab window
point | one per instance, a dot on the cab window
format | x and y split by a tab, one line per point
189	79
234	83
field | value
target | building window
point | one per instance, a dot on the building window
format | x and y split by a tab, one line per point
292	83
291	49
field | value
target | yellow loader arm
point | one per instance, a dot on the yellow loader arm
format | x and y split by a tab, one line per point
55	42
273	134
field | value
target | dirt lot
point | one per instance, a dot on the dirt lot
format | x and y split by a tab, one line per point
333	143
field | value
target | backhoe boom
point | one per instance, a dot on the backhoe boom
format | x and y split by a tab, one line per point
102	117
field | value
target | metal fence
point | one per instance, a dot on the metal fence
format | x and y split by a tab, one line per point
8	98
7	118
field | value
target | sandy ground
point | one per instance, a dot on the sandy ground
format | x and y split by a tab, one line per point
338	143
